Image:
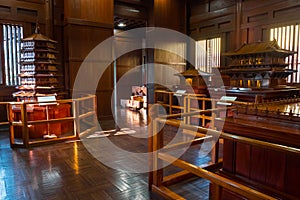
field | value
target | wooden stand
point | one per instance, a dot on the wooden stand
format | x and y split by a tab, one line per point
270	170
45	112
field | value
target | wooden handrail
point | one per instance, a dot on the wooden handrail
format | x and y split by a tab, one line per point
259	143
25	124
44	102
216	179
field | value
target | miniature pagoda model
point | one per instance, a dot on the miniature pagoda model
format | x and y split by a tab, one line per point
198	80
259	69
38	73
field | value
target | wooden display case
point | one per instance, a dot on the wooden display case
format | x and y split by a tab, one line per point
35	113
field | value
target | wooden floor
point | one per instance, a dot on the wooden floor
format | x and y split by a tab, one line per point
69	171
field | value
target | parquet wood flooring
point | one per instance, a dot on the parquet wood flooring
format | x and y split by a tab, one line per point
69	171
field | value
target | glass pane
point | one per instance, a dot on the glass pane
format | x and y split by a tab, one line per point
288	38
208	54
12	35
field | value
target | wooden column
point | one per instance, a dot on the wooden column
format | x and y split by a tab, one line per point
49	18
238	22
87	24
169	14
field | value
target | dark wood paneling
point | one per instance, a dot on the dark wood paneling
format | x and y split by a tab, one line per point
276	169
82	39
34	1
209	19
227	195
212	18
292	176
170	14
127	62
221	4
94	10
58	35
5	9
257	172
242	160
228	156
86	26
260	14
20	11
72	71
251	24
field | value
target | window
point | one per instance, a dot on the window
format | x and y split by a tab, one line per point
10	59
208	54
288	38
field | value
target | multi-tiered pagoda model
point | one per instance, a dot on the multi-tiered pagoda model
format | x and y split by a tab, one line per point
40	86
259	69
38	73
197	80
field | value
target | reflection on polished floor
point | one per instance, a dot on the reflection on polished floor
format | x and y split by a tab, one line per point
70	171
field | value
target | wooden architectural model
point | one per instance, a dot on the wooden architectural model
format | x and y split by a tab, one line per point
39	78
259	70
197	80
38	71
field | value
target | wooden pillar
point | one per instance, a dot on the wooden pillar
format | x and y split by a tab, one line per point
238	23
87	24
49	18
169	14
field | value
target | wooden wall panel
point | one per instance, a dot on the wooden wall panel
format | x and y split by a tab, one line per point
228	156
259	15
228	195
128	62
208	19
292	176
20	11
275	174
93	10
104	104
221	4
170	14
87	24
242	160
244	21
34	1
211	18
82	39
258	172
129	69
98	11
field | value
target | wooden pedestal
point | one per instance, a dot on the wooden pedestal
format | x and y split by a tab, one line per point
270	171
40	113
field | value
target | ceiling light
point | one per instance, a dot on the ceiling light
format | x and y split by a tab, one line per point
133	10
121	24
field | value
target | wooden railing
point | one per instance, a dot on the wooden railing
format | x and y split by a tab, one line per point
5	122
189	103
274	109
159	183
81	111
